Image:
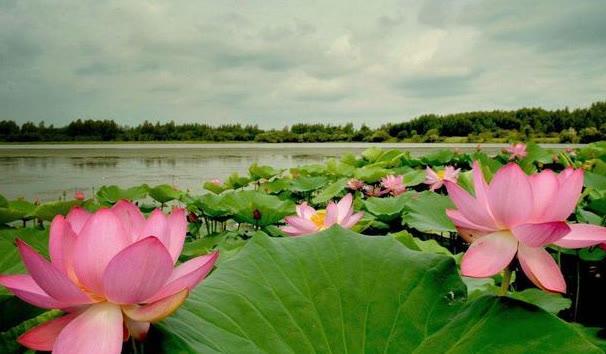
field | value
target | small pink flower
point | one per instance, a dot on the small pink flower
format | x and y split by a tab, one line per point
435	180
112	272
355	184
216	182
517	151
570	151
394	184
517	215
372	191
309	220
79	195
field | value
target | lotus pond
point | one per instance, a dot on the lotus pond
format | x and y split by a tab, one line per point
377	253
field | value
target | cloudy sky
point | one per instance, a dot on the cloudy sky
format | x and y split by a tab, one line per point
276	62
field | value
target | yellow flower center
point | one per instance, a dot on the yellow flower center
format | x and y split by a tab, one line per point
318	218
441	174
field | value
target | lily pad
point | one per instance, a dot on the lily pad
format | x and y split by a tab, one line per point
257	208
426	212
340	292
112	194
47	211
164	193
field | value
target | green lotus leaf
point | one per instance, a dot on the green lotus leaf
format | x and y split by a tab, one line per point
441	157
307	183
47	211
257	208
370	174
165	193
276	186
236	181
212	206
331	191
341	292
3	202
549	302
112	194
258	172
426	212
594	180
212	187
387	209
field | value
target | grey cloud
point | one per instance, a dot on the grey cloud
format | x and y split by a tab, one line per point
437	86
188	60
555	25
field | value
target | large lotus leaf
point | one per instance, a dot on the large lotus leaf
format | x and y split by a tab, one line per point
10	260
17	210
277	185
257	172
308	183
342	292
258	208
412	177
8	339
22	206
370	174
505	325
432	246
3	202
8	215
236	181
372	154
488	164
47	211
213	187
387	209
594	180
549	302
308	170
587	217
339	169
331	191
426	212
112	194
350	159
535	153
212	205
165	193
441	157
593	150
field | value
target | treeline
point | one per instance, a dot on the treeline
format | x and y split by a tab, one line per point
582	125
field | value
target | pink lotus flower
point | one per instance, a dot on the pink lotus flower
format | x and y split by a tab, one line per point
517	151
518	215
394	184
216	182
570	151
355	184
436	179
79	195
309	220
111	272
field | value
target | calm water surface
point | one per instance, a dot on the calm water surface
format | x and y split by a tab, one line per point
47	171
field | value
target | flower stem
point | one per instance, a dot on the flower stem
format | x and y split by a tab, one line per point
134	344
505	282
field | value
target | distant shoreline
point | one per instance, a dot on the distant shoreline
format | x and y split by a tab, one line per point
196	142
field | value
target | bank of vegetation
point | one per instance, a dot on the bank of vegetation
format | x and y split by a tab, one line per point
583	125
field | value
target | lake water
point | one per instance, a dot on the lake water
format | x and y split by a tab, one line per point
47	171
